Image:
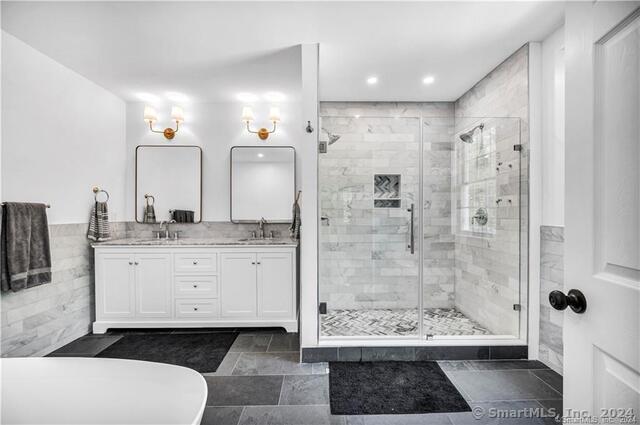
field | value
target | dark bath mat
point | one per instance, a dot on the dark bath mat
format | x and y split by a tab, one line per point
386	388
202	352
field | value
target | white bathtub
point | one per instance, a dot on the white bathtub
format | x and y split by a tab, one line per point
99	391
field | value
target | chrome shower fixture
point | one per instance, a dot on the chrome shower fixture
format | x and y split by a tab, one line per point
332	137
468	136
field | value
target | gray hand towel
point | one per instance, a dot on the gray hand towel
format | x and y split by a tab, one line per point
149	214
294	229
25	253
99	223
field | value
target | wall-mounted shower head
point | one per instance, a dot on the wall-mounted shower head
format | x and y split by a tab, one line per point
332	137
468	136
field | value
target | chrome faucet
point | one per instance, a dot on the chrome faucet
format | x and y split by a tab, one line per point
164	225
159	231
167	233
261	224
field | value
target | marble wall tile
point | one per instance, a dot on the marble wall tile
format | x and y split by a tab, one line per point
551	279
39	320
364	259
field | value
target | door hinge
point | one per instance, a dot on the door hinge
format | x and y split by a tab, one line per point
322	147
322	308
517	148
517	307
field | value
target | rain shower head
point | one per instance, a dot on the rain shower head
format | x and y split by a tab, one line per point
468	136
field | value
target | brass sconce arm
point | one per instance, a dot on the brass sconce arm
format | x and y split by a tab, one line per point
168	132
262	133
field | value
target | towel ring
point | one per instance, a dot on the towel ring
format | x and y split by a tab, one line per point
146	198
97	191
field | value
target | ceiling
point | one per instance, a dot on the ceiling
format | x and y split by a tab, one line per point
220	51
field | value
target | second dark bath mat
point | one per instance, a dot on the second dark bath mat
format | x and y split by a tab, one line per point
385	388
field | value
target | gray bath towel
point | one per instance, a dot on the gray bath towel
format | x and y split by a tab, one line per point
25	253
99	223
294	229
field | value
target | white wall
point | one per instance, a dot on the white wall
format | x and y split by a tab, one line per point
552	166
215	127
62	134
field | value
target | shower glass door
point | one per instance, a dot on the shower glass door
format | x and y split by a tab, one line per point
472	270
369	258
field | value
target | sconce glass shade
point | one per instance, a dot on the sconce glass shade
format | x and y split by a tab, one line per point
247	114
274	115
150	114
177	114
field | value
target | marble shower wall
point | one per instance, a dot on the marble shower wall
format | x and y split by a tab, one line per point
364	259
551	279
491	269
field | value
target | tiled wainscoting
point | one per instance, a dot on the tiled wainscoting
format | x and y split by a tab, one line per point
38	320
551	279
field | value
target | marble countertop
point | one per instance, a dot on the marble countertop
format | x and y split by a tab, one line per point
199	242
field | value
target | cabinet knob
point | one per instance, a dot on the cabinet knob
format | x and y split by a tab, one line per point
195	286
131	263
195	308
253	262
258	262
195	262
136	263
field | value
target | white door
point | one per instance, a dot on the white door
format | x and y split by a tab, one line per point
114	285
275	284
602	234
238	285
153	285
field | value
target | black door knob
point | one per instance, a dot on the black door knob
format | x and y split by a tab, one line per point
574	299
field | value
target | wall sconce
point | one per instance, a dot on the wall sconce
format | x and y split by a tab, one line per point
263	133
177	115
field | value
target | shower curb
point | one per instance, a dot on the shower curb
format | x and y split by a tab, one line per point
466	352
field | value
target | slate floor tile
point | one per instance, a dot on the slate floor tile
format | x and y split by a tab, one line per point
251	343
87	346
285	342
501	385
243	390
271	364
550	377
227	365
502	413
289	415
221	415
305	390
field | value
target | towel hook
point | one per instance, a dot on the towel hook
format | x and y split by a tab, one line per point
97	191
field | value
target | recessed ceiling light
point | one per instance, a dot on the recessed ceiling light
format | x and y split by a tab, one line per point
260	155
429	79
357	116
175	96
372	80
274	96
246	97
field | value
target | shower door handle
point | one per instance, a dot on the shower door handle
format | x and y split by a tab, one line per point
412	244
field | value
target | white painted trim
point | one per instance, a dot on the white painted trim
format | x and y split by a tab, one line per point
100	327
535	195
308	154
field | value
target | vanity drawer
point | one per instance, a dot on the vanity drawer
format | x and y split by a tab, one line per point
193	308
192	286
196	262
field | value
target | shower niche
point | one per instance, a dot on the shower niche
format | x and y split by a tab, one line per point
386	190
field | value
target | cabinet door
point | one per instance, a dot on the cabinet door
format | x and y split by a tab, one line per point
153	285
275	284
115	296
238	285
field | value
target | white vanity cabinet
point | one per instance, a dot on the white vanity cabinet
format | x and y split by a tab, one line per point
151	286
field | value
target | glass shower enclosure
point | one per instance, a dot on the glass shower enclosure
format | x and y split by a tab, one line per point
420	229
